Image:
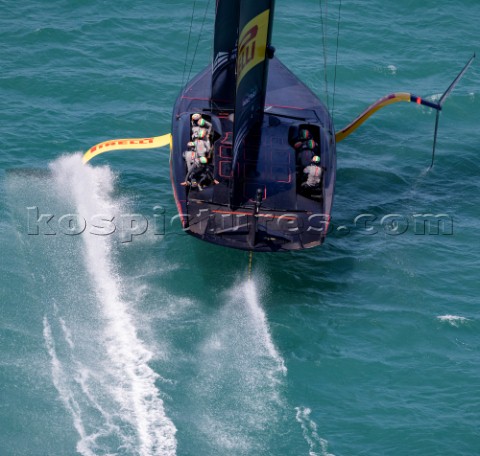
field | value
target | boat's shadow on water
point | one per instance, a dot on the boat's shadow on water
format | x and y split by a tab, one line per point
215	268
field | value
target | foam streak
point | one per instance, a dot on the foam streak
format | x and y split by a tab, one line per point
60	382
259	320
318	446
133	390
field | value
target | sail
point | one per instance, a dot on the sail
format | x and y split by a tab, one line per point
224	53
255	25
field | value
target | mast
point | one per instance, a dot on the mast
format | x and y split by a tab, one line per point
253	51
224	53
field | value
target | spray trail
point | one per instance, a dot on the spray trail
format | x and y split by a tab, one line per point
260	324
240	375
60	380
318	446
117	384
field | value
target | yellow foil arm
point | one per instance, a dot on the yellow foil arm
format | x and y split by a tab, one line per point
124	144
379	104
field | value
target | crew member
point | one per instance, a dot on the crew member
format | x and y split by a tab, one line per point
200	175
305	152
199	122
202	143
303	136
314	174
190	155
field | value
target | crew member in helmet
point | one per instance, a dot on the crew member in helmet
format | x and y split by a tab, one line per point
200	175
199	122
190	155
206	177
314	174
305	152
202	143
303	136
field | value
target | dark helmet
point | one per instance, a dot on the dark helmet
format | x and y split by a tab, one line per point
310	144
305	134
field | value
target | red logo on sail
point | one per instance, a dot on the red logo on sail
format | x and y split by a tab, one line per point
246	49
252	44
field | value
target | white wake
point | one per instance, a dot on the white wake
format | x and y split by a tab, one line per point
317	445
240	378
453	320
61	383
118	387
260	324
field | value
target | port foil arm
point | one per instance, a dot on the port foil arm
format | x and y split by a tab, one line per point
126	144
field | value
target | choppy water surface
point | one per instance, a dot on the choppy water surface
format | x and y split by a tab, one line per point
162	345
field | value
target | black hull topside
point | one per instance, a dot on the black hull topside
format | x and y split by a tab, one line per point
275	213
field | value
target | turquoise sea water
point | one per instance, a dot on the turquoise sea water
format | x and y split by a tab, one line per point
368	345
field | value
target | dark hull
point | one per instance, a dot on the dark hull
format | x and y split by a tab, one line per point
287	218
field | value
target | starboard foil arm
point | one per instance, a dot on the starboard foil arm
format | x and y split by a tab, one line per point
398	97
126	144
379	104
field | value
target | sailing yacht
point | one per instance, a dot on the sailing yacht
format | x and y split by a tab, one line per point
252	148
271	144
